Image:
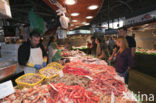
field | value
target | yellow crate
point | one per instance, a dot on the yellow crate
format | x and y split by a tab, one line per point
48	78
53	64
20	85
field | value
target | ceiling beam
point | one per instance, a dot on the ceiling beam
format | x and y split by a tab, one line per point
25	11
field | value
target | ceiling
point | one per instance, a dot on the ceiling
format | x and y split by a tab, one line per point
109	10
81	9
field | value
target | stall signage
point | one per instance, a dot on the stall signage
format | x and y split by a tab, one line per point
6	89
141	18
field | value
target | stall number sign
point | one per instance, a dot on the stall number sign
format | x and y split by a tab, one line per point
6	89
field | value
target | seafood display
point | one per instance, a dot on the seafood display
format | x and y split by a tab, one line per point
72	94
31	79
92	68
105	83
70	79
71	53
85	80
48	72
37	94
146	51
78	71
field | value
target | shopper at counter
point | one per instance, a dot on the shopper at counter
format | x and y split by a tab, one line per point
31	54
131	41
124	58
93	46
101	50
54	53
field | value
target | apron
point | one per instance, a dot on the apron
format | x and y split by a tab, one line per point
35	58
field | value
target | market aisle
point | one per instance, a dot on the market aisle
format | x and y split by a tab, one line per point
145	84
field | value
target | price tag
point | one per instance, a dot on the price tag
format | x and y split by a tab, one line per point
112	97
89	77
61	73
53	87
6	89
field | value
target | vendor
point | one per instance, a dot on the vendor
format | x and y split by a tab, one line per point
31	54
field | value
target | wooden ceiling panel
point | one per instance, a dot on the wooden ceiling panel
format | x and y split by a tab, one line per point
80	7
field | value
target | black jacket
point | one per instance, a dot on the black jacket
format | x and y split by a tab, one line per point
24	52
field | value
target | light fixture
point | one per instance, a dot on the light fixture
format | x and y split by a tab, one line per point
70	2
89	17
74	20
84	23
93	7
74	14
87	24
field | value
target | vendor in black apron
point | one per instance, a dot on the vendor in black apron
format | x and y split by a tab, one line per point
31	54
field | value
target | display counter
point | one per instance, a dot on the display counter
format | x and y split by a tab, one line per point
145	63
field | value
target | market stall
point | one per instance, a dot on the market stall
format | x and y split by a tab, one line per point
82	80
145	61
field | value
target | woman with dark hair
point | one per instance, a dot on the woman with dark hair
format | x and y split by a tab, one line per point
101	50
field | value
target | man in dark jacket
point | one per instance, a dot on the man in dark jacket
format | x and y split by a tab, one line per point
31	54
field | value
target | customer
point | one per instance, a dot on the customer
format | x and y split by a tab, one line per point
101	50
124	58
131	41
89	47
54	54
111	44
31	54
98	47
93	46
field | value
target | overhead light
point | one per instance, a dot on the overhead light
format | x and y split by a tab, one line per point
74	14
89	17
74	20
87	24
84	23
93	7
70	2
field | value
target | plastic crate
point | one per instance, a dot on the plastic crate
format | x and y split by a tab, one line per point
55	65
48	78
20	84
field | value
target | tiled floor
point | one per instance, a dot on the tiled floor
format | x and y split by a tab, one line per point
142	84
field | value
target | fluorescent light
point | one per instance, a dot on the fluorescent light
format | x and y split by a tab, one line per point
93	7
89	17
70	2
74	20
74	14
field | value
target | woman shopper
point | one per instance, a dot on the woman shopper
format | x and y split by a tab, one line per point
101	50
124	59
54	53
